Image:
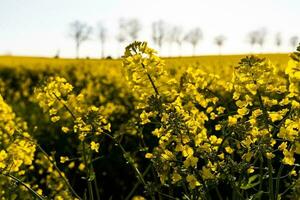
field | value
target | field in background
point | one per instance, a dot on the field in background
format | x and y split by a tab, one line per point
211	60
202	92
217	64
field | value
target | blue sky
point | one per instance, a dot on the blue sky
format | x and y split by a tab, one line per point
40	27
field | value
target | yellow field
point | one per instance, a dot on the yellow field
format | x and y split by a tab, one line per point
221	65
212	60
145	127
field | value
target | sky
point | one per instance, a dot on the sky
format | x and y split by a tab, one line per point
41	27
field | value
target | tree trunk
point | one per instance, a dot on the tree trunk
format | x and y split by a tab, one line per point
102	50
194	50
77	49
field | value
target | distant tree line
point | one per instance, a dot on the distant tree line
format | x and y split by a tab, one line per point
163	34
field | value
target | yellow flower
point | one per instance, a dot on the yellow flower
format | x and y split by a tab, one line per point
39	191
176	177
288	157
270	155
215	140
236	95
252	88
250	170
187	151
52	111
81	136
220	110
157	132
247	156
71	165
229	150
64	159
282	146
149	155
221	156
243	111
95	146
58	198
206	173
257	113
3	155
55	118
168	155
293	173
209	109
107	127
218	127
232	121
297	147
65	129
190	161
275	116
252	121
193	182
144	117
81	166
138	198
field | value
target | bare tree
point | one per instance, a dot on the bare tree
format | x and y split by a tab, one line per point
257	37
193	37
172	36
294	41
219	41
80	32
176	36
128	30
261	37
102	35
121	37
159	32
57	54
278	40
252	38
133	27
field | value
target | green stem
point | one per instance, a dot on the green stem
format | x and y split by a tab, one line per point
206	190
137	184
137	171
18	181
96	188
166	195
288	188
278	181
271	189
87	166
236	192
87	171
270	167
264	110
65	106
219	194
71	189
152	82
261	172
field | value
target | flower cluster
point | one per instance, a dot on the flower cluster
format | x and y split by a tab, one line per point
57	98
211	131
16	150
188	128
145	72
87	122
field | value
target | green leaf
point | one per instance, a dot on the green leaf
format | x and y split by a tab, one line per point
257	195
250	183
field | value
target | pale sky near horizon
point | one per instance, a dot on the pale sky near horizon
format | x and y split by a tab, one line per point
40	27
